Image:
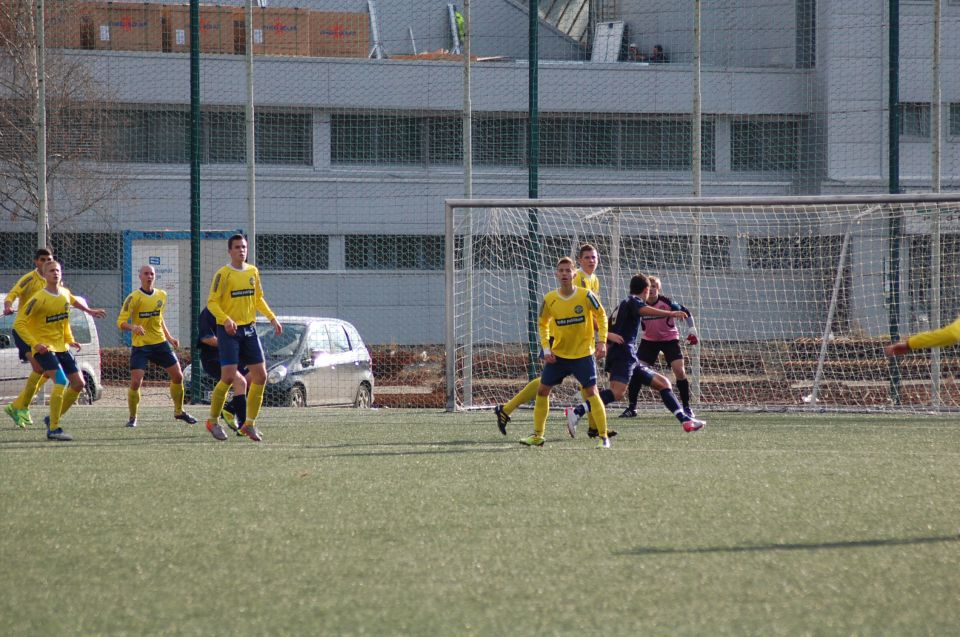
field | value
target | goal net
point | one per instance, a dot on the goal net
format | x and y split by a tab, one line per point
793	298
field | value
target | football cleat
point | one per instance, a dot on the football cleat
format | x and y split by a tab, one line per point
216	430
603	443
692	424
593	433
572	419
16	415
230	419
185	417
689	412
58	434
132	422
629	412
502	419
25	419
250	431
532	441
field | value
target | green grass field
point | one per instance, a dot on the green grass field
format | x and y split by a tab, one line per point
402	522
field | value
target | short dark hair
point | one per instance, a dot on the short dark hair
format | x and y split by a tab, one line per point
639	283
42	252
586	247
235	237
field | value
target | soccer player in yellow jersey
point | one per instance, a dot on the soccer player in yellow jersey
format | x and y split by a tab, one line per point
235	297
585	278
942	337
142	315
46	330
25	288
568	317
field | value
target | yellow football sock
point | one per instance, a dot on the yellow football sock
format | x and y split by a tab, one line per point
56	404
30	389
70	396
600	413
37	384
217	399
176	392
526	394
133	401
254	401
541	407
590	417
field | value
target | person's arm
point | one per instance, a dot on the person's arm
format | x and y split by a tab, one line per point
692	336
124	319
543	329
167	335
943	337
264	308
81	305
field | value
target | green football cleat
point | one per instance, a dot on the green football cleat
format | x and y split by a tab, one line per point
230	419
17	415
532	441
25	419
603	443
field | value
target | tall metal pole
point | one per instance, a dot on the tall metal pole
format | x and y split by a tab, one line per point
935	217
468	194
41	127
533	179
251	145
696	113
195	302
895	225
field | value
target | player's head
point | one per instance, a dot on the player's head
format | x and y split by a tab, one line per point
147	276
565	270
639	284
589	258
655	287
41	256
52	272
237	247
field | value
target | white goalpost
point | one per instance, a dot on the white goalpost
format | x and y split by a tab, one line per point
794	296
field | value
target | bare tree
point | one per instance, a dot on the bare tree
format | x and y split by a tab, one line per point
77	109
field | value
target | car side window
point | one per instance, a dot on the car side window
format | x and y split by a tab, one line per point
338	339
318	340
79	326
6	331
355	340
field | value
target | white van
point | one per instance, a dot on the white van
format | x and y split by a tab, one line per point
14	372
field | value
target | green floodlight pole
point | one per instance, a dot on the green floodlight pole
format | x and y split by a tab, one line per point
533	178
895	224
197	373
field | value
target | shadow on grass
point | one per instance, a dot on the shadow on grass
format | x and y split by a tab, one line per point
812	546
429	447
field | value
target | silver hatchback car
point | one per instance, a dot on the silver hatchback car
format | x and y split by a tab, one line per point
316	361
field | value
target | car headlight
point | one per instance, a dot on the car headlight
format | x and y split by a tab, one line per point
187	374
277	374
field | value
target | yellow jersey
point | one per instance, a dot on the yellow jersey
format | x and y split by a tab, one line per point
588	281
28	285
570	322
47	320
943	337
237	294
145	309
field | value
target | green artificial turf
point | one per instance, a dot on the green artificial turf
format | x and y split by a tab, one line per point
404	522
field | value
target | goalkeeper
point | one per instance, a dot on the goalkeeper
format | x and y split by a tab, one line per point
943	337
622	363
660	334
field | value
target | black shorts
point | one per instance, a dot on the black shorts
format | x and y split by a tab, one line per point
649	351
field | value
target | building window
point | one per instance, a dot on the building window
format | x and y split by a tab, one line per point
445	140
18	251
86	251
293	252
500	141
376	139
665	144
284	138
793	253
955	120
394	252
915	120
765	145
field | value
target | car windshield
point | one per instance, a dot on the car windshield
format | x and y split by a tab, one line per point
283	346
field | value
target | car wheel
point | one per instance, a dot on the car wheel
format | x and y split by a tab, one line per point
364	398
297	397
89	391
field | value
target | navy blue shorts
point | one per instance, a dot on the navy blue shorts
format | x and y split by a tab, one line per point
211	366
159	354
22	347
648	351
620	364
583	369
57	360
241	348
